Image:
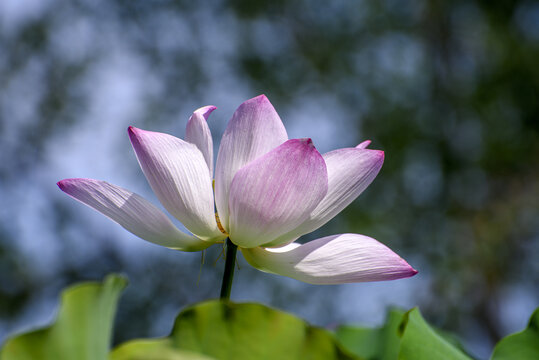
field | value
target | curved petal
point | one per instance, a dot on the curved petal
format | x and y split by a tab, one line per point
276	192
133	212
255	129
179	177
350	171
198	132
337	259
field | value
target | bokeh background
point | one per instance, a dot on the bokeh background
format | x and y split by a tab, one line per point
449	90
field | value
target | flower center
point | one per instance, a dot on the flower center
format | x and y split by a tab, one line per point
221	228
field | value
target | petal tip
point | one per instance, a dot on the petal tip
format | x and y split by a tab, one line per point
61	184
132	131
261	97
134	135
205	111
407	272
364	144
67	185
259	100
308	142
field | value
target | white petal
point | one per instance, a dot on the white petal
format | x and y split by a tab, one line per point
179	177
133	212
337	259
276	192
350	171
198	132
255	129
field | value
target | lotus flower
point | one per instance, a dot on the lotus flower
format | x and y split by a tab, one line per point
269	191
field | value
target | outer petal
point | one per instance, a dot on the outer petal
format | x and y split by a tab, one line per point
255	129
133	212
198	132
276	192
336	259
350	171
179	176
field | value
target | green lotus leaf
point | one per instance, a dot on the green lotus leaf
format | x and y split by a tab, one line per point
82	329
228	331
421	342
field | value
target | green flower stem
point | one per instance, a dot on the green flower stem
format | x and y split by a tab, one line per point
226	286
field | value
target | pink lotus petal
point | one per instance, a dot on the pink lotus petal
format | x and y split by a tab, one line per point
255	129
350	171
276	192
337	259
179	177
198	132
133	212
363	145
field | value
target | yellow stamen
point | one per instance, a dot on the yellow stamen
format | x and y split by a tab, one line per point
221	228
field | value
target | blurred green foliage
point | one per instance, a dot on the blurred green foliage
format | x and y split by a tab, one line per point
82	330
223	330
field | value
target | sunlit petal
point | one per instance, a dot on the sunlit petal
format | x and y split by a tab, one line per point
350	171
276	192
133	212
337	259
255	129
179	177
198	132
